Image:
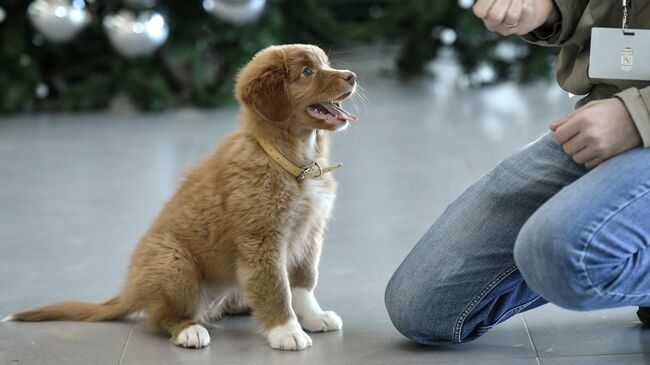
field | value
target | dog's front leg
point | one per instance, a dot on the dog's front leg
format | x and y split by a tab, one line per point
264	278
303	278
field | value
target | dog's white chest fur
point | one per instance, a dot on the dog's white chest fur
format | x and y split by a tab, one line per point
319	197
310	213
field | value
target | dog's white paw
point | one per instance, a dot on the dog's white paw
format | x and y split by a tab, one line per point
194	336
289	337
321	322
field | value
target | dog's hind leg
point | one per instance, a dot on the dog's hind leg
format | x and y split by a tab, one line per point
168	283
185	332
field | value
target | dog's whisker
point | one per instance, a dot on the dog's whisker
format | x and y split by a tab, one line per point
361	94
364	103
343	51
342	63
360	104
361	97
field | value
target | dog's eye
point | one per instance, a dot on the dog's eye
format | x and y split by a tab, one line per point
307	72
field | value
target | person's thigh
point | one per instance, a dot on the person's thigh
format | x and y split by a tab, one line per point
587	247
461	279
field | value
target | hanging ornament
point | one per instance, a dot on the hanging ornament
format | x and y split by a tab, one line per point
509	52
140	4
42	90
58	20
448	36
235	11
3	14
465	4
484	74
134	35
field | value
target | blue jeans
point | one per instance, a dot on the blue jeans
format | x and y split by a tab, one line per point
537	228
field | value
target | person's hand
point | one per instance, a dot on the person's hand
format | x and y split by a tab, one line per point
596	132
520	17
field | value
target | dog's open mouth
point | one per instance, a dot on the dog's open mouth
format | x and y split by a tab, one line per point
330	111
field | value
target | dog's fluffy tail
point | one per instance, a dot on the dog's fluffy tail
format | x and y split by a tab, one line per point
116	308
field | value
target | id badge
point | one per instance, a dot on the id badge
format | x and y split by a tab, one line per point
615	55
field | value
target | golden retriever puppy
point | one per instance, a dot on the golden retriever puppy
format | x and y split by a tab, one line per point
245	228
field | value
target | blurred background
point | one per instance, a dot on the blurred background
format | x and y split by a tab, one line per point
72	55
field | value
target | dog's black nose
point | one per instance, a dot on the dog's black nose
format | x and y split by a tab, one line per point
350	77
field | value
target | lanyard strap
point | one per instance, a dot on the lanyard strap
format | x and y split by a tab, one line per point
627	4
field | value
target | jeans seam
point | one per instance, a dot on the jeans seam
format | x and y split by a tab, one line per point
513	311
478	298
590	239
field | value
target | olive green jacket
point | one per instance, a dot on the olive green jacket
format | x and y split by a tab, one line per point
573	33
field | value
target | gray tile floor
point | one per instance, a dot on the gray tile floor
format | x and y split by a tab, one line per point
77	191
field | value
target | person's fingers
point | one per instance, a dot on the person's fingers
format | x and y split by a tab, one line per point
527	9
565	118
566	131
555	125
511	20
481	8
497	14
586	155
575	144
513	15
593	163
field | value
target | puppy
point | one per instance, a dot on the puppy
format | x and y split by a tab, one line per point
244	231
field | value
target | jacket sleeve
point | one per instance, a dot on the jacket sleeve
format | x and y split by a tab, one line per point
558	33
637	103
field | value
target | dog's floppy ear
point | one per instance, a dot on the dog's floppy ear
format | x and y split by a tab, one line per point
262	86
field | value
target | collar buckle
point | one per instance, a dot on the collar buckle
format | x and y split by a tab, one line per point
309	170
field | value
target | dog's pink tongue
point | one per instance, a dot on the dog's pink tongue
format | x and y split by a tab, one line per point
339	112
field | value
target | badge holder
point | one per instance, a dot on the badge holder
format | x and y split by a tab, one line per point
620	54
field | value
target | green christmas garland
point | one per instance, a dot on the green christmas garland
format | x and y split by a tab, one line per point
197	64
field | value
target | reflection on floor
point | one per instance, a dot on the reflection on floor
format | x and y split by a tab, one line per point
78	191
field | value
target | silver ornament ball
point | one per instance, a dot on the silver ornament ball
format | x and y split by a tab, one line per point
465	4
448	36
484	74
136	34
235	11
58	20
3	14
42	90
510	51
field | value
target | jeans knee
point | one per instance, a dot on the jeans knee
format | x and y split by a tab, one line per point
547	258
531	253
414	314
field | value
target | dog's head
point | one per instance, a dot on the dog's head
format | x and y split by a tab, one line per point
295	84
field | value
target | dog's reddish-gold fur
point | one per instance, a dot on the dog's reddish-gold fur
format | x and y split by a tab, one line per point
239	223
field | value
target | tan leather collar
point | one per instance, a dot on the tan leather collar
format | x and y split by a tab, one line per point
313	170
